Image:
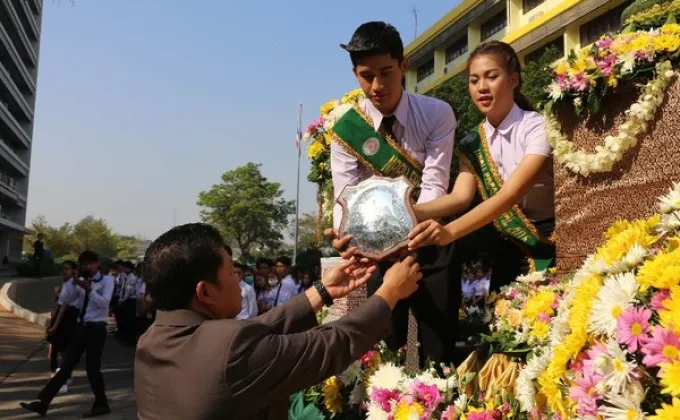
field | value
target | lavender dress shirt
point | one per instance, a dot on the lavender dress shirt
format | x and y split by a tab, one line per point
523	133
424	127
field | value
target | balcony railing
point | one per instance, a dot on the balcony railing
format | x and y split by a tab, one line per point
21	33
19	164
17	59
31	19
17	94
14	124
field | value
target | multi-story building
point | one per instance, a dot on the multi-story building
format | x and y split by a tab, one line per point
530	26
20	22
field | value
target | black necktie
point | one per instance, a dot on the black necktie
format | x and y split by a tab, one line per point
386	126
81	317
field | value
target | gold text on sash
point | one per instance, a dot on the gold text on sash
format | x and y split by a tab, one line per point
396	167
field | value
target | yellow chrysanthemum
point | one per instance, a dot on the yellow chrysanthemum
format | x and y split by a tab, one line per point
639	232
406	411
554	374
670	378
539	303
328	106
332	398
315	149
501	307
352	97
662	271
540	330
668	412
327	138
669	317
616	228
562	68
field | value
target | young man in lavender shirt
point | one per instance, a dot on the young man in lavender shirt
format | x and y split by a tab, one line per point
412	128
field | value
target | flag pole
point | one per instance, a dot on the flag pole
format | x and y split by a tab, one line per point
298	142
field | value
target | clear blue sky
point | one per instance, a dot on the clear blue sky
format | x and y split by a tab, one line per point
144	103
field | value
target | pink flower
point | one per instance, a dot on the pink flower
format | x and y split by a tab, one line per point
367	357
450	413
658	298
607	64
429	395
633	326
482	415
384	397
584	391
513	293
604	43
662	347
544	316
580	82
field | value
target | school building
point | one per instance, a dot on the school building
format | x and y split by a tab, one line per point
530	26
20	28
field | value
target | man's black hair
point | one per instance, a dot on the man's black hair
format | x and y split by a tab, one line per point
284	260
128	264
265	261
118	262
178	260
88	257
70	263
241	266
375	38
229	251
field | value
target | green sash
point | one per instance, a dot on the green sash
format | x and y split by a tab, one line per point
381	154
474	150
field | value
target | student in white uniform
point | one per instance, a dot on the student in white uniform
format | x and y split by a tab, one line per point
248	297
62	325
131	289
94	291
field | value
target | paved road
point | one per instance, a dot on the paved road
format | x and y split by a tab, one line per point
24	370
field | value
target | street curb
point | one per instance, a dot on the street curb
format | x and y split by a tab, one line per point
19	310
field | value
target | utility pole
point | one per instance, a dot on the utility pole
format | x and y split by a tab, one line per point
415	18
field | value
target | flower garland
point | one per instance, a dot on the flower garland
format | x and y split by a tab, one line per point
614	147
656	14
319	135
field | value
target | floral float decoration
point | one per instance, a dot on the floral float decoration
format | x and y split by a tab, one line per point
583	78
318	136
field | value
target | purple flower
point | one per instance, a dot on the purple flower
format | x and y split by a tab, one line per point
604	43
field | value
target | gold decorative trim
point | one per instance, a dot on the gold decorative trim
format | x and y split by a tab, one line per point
494	171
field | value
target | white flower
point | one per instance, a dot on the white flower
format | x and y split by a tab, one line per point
535	277
461	403
612	300
555	91
388	376
669	222
617	370
526	392
622	408
578	101
671	201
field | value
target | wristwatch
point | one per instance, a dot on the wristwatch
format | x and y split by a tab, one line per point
323	292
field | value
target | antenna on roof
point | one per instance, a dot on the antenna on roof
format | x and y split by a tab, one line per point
415	17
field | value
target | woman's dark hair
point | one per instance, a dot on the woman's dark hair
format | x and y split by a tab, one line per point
70	263
179	259
509	58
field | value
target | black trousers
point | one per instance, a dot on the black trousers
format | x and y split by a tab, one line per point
435	305
127	312
509	261
89	339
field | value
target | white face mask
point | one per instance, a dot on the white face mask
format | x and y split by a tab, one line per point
274	282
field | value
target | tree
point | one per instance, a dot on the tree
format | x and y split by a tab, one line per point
307	232
536	77
248	210
455	92
67	240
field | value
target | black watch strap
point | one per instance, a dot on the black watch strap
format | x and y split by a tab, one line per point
323	292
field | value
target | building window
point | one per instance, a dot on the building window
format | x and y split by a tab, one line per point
426	70
456	49
494	25
603	24
529	5
537	54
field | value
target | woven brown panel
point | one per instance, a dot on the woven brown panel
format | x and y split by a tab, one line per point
345	305
586	206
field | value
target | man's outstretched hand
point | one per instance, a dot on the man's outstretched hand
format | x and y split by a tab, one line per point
347	276
346	252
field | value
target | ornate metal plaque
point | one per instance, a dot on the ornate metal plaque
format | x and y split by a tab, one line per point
378	214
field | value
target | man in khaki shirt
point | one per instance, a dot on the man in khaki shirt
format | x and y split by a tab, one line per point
197	362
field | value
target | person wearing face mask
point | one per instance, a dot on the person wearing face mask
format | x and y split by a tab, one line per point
248	299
